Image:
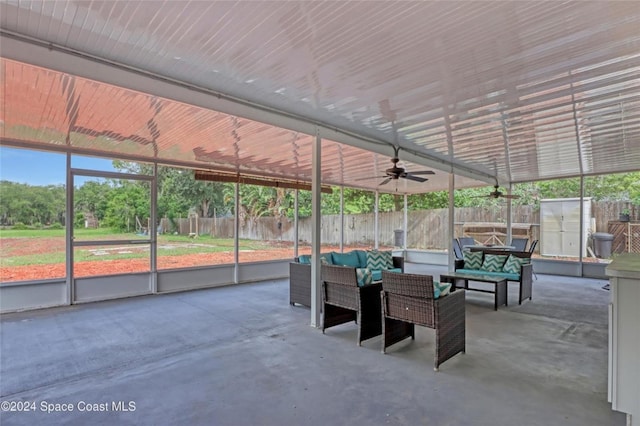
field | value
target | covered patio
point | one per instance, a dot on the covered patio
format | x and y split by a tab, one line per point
306	95
242	356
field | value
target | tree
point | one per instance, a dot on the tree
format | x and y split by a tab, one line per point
93	197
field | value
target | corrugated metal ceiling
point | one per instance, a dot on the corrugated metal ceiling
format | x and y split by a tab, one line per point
524	90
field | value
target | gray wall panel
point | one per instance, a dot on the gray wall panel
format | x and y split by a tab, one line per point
20	297
190	279
111	287
260	271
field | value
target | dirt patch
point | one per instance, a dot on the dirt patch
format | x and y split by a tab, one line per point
11	247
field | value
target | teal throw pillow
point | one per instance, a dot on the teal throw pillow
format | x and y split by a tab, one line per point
345	259
304	259
445	288
472	259
513	264
494	262
362	258
379	260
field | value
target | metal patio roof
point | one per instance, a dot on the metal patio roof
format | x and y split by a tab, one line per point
518	90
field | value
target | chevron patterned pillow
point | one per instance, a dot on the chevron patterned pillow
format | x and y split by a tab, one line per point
364	276
513	264
494	262
379	260
472	259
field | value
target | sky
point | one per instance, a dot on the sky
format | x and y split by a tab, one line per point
44	168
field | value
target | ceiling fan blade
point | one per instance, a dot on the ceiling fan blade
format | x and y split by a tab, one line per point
410	176
509	196
386	181
423	172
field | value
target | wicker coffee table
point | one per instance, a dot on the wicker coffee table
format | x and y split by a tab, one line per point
459	280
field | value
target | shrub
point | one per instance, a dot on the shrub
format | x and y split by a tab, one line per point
19	226
56	226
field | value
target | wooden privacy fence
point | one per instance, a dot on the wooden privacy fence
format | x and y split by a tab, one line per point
427	229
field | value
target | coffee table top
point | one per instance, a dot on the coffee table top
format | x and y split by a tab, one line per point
473	277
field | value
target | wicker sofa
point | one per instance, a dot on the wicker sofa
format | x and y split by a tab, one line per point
409	300
524	278
300	272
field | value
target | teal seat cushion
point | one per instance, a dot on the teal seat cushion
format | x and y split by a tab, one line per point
325	259
513	264
377	273
472	259
494	262
364	276
346	259
305	259
510	277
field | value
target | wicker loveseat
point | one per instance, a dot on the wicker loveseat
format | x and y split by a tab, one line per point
524	277
409	300
300	272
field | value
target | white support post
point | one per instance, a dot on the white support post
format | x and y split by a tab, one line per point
296	235
376	227
153	231
452	187
68	226
236	234
405	225
509	236
341	219
316	216
581	224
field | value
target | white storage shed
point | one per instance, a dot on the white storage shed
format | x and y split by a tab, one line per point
560	231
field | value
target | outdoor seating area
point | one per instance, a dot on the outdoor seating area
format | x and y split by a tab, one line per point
153	349
499	264
367	268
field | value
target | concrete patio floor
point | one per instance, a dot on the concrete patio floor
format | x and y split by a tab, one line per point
241	355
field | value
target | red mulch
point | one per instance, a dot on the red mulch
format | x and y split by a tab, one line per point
11	247
23	246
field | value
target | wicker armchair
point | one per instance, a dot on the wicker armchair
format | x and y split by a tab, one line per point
407	300
344	301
